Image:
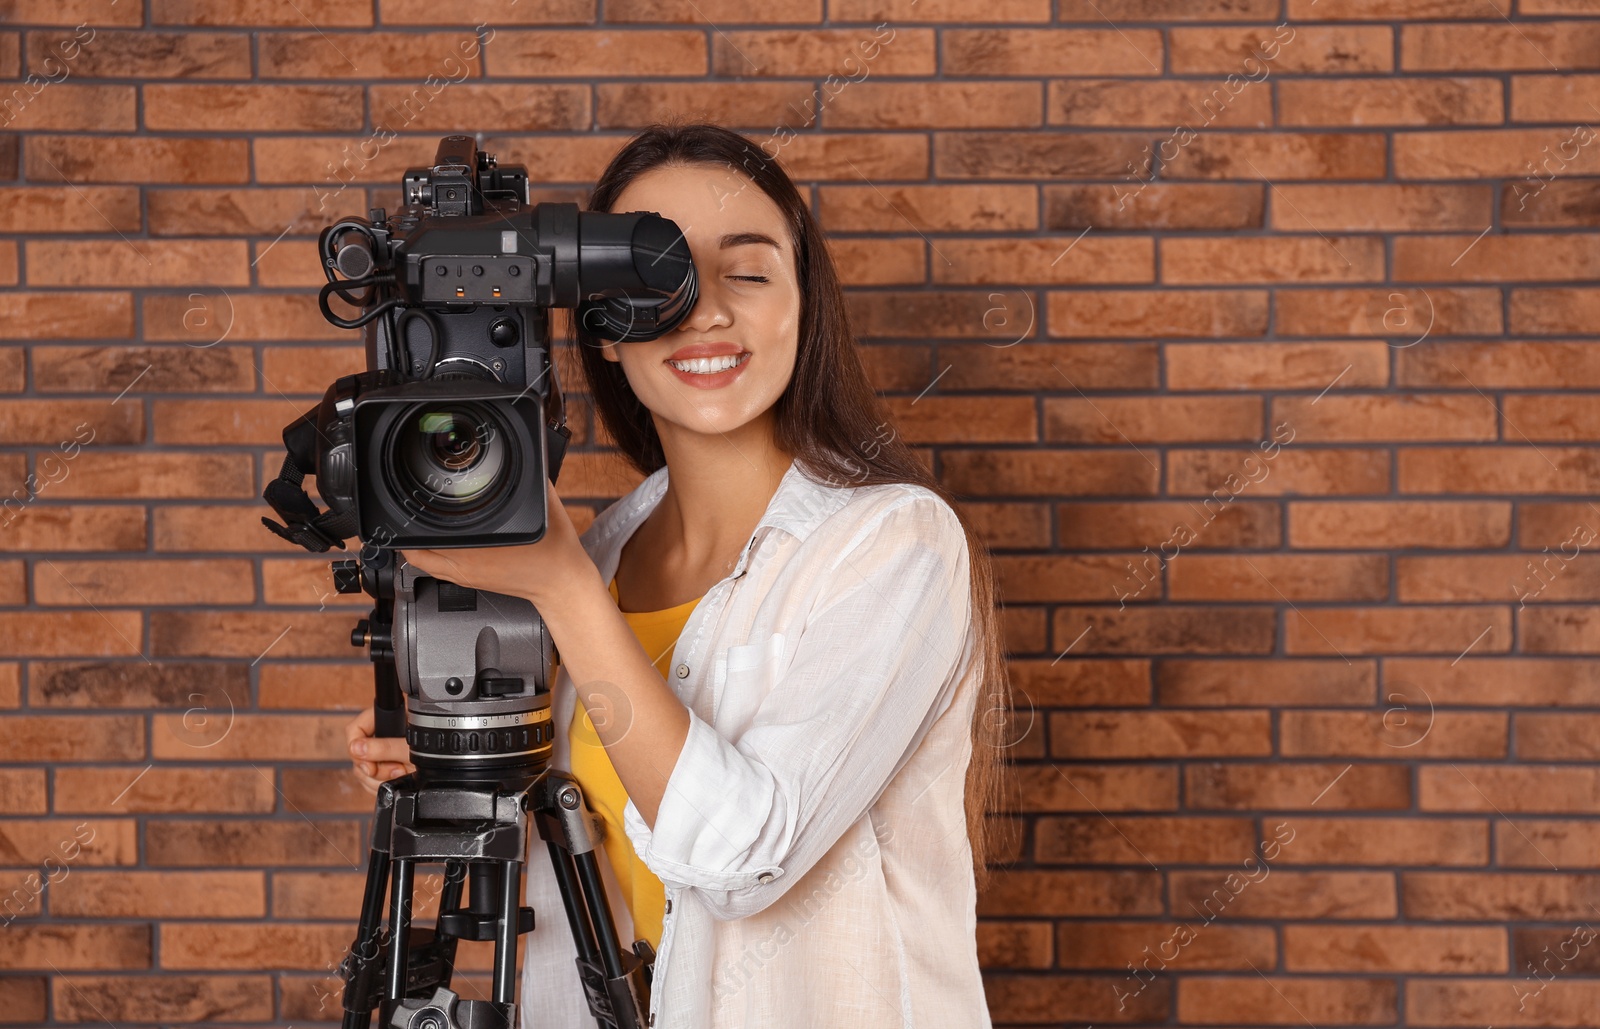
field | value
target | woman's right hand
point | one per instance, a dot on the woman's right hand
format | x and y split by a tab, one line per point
377	759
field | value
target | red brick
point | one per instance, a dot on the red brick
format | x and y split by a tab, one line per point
756	106
1256	52
144	583
1378	207
1282	155
1084	365
330	13
1389	416
567	53
1417	949
942	105
70	107
1367	525
1119	103
1153	206
156	476
22	999
1224	683
1508	681
1043	473
1280	998
1155	420
1044	260
1297	786
1076	893
69	12
850	55
1498	897
73	947
141	159
529	108
709	11
1161	313
250	634
1200	261
939	209
1286	894
1543	843
1034	155
1484	153
1223	476
1014	945
1033	1000
449	56
1543	312
1405	316
1407	729
1098	51
301	841
137	684
247	945
148	998
897	11
877	262
22	791
1144	946
1143	524
136	789
1519	258
1147	734
1094	840
1469	1002
1394	101
190	894
317	686
233	108
113	369
1271	577
1388	841
60	315
1528	579
72	633
1503	469
1503	45
254	738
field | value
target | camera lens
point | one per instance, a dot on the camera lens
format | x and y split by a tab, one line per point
453	457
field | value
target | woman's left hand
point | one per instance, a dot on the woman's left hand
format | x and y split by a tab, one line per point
533	571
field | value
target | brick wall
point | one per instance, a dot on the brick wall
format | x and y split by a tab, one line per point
1257	332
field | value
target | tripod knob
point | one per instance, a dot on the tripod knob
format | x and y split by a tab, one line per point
433	1013
358	635
347	576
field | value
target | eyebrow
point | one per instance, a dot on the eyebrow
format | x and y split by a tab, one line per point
739	239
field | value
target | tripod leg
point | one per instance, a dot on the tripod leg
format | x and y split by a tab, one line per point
505	944
399	929
366	954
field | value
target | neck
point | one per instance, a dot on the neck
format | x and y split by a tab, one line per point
718	487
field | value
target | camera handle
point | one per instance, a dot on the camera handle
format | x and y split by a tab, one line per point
405	971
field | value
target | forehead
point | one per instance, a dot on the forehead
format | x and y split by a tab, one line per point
712	204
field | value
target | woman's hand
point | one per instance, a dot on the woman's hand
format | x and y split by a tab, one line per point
532	571
376	759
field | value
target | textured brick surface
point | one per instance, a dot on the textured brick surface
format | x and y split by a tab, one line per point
1256	335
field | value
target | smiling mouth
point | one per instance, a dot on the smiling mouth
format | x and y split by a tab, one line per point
710	365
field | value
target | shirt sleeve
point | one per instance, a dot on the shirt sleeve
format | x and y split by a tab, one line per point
876	663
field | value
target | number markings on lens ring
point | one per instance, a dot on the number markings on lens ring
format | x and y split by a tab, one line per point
500	721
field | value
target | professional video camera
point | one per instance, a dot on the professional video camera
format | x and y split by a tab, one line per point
447	440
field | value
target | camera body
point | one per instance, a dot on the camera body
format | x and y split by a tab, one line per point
449	435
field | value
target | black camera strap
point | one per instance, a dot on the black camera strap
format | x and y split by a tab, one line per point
306	526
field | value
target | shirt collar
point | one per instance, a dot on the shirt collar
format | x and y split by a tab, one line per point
798	506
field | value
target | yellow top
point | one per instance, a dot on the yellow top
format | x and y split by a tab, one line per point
658	632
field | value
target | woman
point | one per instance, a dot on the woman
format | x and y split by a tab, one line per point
787	634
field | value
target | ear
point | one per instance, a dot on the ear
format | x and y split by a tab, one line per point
609	352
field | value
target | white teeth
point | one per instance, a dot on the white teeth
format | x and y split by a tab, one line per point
708	365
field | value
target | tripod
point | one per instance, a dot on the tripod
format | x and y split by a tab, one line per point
473	816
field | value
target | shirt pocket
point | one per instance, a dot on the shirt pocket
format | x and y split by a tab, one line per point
745	674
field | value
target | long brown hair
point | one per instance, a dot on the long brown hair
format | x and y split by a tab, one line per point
825	418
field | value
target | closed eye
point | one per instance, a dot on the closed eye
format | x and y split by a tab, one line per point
750	278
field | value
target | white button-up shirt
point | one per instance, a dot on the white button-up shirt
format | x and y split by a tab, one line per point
812	839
